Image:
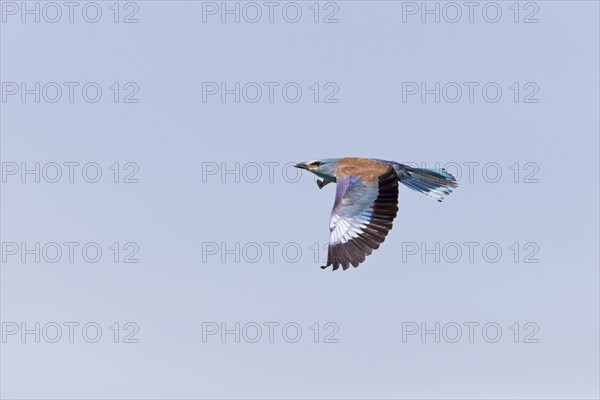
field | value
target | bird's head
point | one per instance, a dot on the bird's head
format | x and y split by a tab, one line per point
324	168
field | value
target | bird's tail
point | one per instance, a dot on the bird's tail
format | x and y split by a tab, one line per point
434	183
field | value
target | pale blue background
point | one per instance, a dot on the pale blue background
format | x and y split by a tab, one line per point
171	212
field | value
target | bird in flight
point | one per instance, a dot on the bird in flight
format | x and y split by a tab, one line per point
366	201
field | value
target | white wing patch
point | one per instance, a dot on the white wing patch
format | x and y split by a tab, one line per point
345	229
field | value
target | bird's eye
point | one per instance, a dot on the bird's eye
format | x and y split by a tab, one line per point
316	163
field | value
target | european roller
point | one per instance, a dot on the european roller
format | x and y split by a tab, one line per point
366	201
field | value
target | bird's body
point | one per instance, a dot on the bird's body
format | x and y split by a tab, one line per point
366	201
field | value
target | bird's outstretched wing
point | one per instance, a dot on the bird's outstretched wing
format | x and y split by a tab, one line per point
366	203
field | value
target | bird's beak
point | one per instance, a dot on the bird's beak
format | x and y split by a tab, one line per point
301	166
